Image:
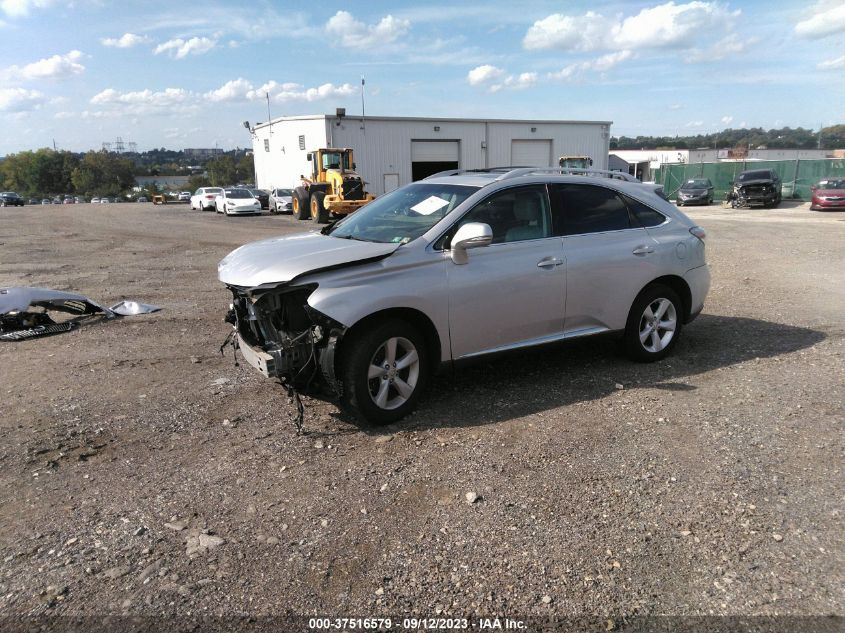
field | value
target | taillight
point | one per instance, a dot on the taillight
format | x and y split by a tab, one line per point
209	197
698	232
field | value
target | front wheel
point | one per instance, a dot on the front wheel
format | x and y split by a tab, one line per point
319	213
301	207
384	370
654	324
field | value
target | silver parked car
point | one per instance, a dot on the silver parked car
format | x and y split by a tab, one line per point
281	201
460	265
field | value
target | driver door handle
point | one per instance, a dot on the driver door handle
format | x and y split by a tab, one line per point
643	250
549	262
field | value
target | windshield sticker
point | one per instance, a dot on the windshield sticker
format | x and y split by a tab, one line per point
429	205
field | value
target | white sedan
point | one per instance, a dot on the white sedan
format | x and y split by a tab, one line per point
281	201
203	198
236	202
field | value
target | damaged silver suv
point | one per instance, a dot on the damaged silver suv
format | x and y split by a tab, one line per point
459	265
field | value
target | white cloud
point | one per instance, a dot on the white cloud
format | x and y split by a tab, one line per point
18	8
234	90
671	24
827	20
727	120
63	115
695	124
55	67
354	34
725	47
127	40
242	90
833	64
578	33
484	74
662	26
20	99
494	79
600	65
113	103
179	48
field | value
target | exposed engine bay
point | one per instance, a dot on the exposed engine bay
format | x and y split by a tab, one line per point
284	337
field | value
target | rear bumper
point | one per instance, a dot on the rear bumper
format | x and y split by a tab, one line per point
698	280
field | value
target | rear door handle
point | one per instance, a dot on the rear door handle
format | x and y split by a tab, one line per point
549	262
643	250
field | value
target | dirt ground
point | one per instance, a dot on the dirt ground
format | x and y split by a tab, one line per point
142	473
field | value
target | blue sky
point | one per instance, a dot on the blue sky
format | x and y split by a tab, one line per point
177	74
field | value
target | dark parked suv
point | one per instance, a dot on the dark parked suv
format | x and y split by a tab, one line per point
756	188
10	199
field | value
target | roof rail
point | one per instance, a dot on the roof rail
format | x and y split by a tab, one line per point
605	173
506	173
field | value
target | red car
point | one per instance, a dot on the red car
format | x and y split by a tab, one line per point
829	193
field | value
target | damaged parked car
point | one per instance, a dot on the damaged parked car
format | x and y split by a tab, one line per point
462	265
756	188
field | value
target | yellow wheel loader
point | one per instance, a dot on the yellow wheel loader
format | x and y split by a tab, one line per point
334	189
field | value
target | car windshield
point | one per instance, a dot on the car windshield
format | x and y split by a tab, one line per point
403	214
213	190
238	193
257	192
284	192
832	184
755	175
697	184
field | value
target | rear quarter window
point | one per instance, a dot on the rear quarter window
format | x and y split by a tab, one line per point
643	214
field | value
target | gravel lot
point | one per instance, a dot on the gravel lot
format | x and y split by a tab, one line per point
143	473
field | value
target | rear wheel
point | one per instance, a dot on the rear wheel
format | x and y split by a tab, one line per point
384	370
654	324
301	204
319	213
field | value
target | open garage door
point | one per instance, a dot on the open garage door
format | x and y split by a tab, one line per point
429	157
531	153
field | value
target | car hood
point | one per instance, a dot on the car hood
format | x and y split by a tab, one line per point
693	191
835	193
759	181
280	259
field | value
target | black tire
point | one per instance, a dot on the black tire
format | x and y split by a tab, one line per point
319	213
360	392
638	323
301	204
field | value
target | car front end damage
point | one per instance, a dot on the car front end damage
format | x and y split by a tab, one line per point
283	337
756	194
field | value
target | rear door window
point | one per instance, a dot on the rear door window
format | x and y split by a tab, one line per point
579	208
643	215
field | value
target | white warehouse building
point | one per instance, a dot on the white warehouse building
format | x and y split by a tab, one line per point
392	151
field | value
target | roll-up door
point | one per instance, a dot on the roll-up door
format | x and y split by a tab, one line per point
430	157
531	153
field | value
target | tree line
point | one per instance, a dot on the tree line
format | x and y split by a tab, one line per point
832	137
102	173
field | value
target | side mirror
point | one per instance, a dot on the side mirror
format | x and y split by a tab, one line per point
813	187
470	235
309	156
353	167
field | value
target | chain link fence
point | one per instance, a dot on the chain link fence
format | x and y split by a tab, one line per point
796	175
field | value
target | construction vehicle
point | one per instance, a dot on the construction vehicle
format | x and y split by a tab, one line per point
334	188
575	162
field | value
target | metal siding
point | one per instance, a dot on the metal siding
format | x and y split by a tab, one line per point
383	146
278	168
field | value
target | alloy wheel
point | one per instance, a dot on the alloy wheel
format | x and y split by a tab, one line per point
658	324
394	372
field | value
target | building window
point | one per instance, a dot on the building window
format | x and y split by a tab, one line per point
302	142
266	144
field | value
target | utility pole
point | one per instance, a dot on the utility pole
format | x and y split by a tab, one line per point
362	102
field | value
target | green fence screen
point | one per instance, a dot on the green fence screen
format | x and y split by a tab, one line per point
796	175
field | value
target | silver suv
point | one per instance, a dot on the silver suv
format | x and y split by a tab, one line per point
459	265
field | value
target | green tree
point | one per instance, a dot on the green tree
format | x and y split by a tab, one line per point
103	174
